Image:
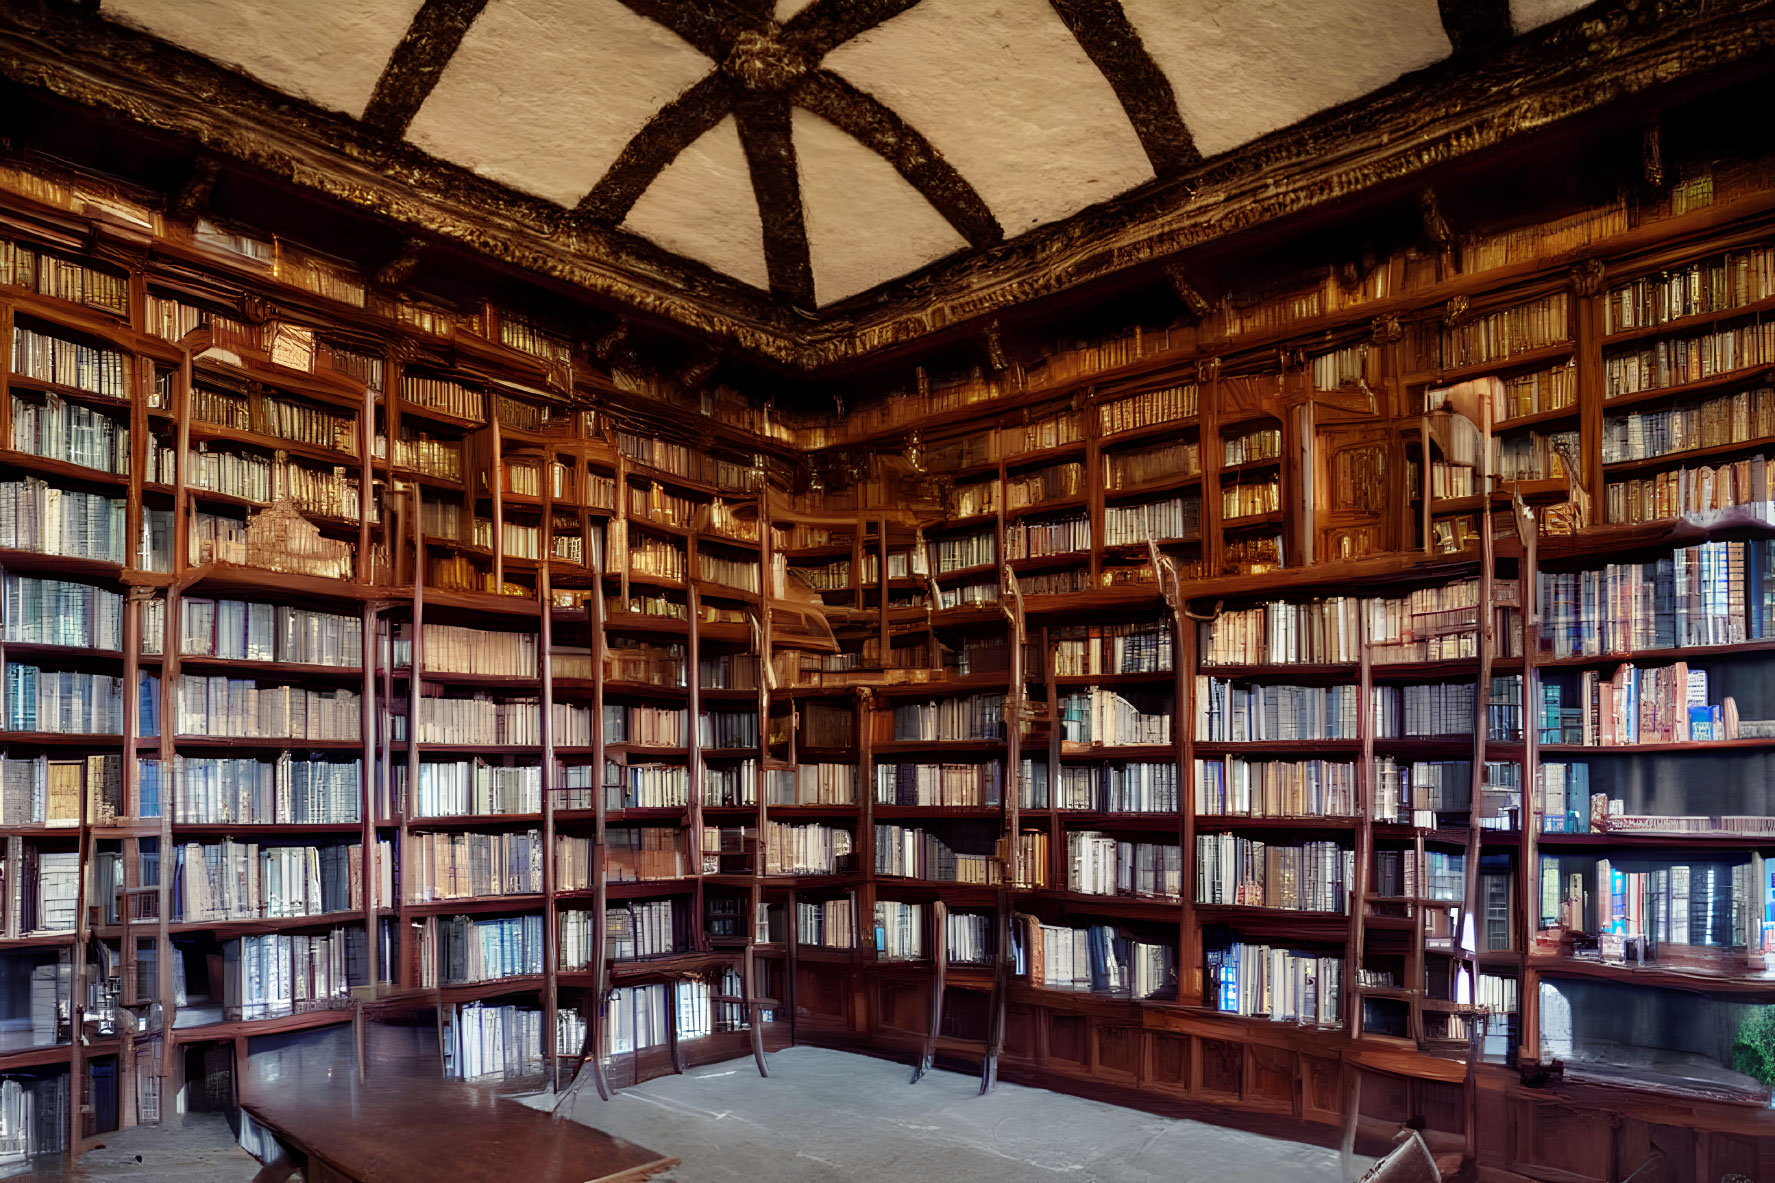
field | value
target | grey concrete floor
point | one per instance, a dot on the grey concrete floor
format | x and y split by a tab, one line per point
825	1115
198	1148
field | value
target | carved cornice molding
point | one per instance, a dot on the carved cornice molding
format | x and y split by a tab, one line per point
1469	105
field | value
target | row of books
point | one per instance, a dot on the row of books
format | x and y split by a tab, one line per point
976	716
244	630
1263	443
40	517
657	557
731	784
448	866
899	930
1655	903
1635	705
459	949
656	786
1235	786
64	279
1244	500
1310	877
730	729
829	924
69	702
687	462
41	791
1739	418
70	363
1696	595
1099	716
465	788
740	574
650	726
56	612
421	452
1432	709
814	784
481	1039
953	785
811	849
1134	468
968	937
962	551
441	394
1147	409
1054	483
286	790
279	974
1506	333
1233	712
1681	491
633	931
1132	787
915	853
240	708
70	432
1159	521
230	880
1701	288
1283	985
1090	650
1100	864
1100	959
481	719
1674	361
39	889
1034	539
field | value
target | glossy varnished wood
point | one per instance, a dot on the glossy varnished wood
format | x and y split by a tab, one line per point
405	1123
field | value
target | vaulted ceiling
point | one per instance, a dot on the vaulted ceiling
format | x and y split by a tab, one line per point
817	148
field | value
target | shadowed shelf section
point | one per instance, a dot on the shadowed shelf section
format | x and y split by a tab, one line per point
307	1094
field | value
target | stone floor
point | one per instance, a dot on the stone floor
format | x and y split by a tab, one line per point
199	1148
825	1115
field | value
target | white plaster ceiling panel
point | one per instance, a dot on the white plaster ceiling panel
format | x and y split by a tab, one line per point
329	52
543	94
1532	14
788	8
1002	90
702	207
1242	68
865	224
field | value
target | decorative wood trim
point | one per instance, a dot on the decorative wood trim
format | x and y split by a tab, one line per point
1578	67
770	155
675	127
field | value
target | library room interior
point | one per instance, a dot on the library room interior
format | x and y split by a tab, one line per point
1130	591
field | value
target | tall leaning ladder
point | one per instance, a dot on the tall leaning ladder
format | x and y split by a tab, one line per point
1011	600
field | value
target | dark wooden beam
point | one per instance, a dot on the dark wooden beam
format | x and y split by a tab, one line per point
824	25
770	154
879	129
709	25
1588	65
674	128
1110	41
418	62
1474	26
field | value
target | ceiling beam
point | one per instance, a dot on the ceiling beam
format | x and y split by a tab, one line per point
1102	30
418	62
770	154
675	127
1603	57
875	125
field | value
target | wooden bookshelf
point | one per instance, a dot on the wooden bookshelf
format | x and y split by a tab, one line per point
783	585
